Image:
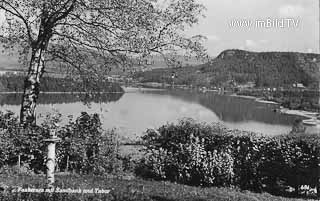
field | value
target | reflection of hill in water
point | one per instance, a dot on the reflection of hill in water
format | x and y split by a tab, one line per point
59	98
234	109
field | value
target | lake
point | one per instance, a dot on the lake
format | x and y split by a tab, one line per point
135	111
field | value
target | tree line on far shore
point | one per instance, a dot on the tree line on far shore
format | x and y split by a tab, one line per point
14	83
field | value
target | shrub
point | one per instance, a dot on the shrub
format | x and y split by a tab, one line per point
292	160
211	155
21	144
179	153
84	147
247	153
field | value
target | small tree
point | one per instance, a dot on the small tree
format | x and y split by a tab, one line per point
90	36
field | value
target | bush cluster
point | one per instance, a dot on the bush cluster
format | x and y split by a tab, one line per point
25	146
84	147
212	155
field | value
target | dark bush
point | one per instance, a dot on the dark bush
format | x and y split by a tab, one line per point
211	155
84	147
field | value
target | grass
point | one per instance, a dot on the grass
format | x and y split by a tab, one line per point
128	189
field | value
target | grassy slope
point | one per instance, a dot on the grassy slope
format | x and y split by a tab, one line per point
163	191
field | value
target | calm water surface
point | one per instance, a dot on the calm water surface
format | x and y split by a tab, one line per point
136	110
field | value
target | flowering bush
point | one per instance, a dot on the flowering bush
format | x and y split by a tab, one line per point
211	155
179	153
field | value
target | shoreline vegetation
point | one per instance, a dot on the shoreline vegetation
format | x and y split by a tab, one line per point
301	113
293	75
63	92
198	157
9	84
12	83
298	102
310	112
208	159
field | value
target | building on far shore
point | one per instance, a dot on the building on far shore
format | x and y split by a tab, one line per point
10	72
299	86
248	85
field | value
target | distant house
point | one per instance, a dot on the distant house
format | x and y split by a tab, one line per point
110	79
299	86
248	85
4	72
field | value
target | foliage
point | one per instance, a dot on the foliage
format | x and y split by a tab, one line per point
87	38
265	69
291	99
60	98
211	155
92	36
12	83
180	153
85	146
27	144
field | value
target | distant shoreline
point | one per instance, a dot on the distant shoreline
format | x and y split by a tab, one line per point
62	92
126	90
301	113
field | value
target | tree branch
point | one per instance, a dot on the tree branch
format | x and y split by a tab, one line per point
16	13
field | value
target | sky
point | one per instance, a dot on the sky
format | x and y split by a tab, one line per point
300	35
260	25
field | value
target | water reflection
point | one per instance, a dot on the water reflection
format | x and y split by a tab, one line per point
59	98
233	109
135	111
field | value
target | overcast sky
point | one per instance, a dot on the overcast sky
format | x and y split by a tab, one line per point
300	37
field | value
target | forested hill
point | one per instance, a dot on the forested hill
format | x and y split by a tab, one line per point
265	68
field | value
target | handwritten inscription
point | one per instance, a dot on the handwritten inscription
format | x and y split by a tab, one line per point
59	190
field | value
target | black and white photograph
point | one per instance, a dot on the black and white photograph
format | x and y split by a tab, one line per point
159	100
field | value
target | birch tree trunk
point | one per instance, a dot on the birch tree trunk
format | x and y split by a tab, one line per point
32	87
35	72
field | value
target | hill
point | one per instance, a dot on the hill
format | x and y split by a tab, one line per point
273	69
265	69
9	62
